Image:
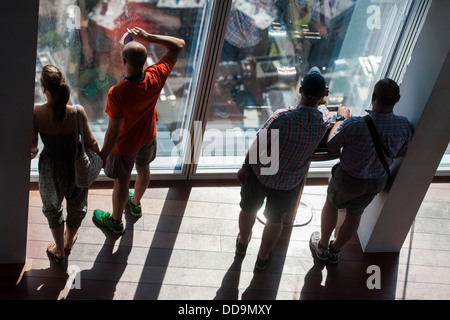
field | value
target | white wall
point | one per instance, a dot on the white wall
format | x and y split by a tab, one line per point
425	96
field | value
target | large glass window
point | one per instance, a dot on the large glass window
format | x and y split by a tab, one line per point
269	47
82	39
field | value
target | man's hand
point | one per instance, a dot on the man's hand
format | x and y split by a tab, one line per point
104	158
111	138
321	29
343	111
139	34
173	44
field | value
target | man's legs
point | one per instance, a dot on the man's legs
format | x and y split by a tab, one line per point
143	159
346	231
120	197
141	184
271	233
246	222
328	223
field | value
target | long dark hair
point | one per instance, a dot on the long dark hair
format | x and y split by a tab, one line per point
53	80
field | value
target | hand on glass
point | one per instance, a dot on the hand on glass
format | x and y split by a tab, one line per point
138	33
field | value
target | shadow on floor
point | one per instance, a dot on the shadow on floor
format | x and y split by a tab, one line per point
264	284
363	276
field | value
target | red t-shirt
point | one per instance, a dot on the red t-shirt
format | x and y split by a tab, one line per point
135	103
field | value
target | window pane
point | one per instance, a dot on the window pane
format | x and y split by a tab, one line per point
82	39
269	47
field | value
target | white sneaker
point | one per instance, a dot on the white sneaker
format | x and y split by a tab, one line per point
314	243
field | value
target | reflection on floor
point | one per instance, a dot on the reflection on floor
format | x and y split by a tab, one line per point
183	248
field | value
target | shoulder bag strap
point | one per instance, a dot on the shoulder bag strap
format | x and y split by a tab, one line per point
77	136
78	128
377	142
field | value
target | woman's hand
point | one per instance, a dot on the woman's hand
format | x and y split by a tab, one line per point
34	152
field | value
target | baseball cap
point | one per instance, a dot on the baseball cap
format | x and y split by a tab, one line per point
313	84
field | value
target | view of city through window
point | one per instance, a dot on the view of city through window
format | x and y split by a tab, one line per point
268	47
82	38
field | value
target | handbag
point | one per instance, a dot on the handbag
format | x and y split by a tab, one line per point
87	163
380	148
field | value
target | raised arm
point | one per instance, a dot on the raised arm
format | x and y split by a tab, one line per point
342	111
173	44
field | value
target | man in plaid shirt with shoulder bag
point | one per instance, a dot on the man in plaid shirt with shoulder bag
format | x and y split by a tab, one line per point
298	131
363	171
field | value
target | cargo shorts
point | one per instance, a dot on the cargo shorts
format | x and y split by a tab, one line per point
353	194
121	166
278	202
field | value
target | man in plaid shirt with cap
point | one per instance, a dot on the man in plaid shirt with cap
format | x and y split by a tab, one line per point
299	131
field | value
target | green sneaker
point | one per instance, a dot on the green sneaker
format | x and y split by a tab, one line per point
136	211
104	219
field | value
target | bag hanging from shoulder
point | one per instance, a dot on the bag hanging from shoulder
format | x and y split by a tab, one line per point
87	163
379	147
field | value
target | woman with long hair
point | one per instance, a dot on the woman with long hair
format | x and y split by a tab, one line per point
54	121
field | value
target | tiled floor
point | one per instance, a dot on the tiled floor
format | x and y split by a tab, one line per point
183	248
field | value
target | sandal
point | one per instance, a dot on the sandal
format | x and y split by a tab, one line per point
68	250
51	246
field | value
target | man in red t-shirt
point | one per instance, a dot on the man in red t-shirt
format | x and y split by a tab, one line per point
131	135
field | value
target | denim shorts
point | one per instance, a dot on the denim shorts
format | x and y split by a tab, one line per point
353	194
120	166
278	203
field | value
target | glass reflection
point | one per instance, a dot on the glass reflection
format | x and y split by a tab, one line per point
269	47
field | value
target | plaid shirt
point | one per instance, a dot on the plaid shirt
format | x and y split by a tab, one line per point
323	11
301	129
359	157
242	31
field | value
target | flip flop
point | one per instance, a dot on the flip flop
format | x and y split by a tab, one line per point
67	251
52	245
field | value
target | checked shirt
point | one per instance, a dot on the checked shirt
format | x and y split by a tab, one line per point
301	129
359	157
